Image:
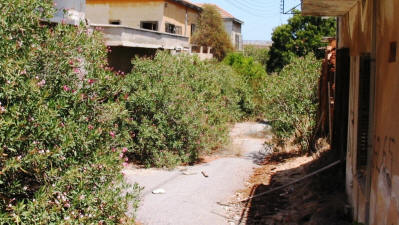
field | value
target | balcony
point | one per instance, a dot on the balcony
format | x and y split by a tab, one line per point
327	7
118	35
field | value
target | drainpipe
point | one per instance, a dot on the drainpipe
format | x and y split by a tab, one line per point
186	23
371	134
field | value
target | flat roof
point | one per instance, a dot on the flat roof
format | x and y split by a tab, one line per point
327	7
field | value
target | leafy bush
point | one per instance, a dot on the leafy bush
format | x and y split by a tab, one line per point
254	75
246	66
260	55
180	106
60	134
291	99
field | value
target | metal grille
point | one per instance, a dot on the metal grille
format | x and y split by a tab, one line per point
363	112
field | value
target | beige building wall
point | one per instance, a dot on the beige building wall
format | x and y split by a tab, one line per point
129	12
356	34
176	14
132	12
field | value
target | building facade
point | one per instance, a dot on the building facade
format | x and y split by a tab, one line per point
367	124
166	16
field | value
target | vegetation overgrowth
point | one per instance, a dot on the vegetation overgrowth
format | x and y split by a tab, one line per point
260	55
210	32
181	106
291	101
68	123
62	143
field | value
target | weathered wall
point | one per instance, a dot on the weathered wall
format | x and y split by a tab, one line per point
132	12
75	11
129	12
236	27
356	33
233	29
385	175
176	14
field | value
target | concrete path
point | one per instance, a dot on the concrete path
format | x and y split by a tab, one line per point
191	198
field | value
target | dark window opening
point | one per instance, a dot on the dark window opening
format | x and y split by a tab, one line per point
193	27
173	29
149	25
392	51
363	115
115	22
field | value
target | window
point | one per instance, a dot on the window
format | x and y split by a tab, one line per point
392	51
173	29
115	22
149	25
193	27
363	115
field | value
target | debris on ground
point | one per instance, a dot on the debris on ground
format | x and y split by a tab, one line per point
158	191
188	173
205	175
317	200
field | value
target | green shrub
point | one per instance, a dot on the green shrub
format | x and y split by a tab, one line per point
180	106
291	99
253	75
260	55
60	126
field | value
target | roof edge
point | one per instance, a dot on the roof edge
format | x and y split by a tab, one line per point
188	4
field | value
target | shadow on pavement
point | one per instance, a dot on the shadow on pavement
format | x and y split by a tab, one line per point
319	200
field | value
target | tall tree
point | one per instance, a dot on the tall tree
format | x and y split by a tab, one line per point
302	35
211	32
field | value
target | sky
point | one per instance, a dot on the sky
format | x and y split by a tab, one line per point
259	16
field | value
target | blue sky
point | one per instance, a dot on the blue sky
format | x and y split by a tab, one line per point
260	16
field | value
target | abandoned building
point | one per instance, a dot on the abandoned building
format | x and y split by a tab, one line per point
366	111
135	27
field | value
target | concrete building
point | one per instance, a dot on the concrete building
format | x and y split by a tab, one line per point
70	12
366	117
138	27
233	28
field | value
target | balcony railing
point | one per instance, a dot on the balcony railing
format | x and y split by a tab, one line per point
118	35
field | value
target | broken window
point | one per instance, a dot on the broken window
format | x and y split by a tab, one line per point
115	22
363	115
173	29
149	25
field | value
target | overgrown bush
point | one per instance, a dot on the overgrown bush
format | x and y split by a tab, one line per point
260	55
254	75
291	100
61	140
180	106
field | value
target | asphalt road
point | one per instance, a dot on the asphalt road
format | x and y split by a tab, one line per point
191	198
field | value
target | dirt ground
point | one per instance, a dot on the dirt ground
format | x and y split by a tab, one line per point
319	200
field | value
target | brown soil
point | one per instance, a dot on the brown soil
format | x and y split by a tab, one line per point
319	200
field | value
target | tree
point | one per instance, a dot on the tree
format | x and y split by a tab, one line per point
302	35
211	32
